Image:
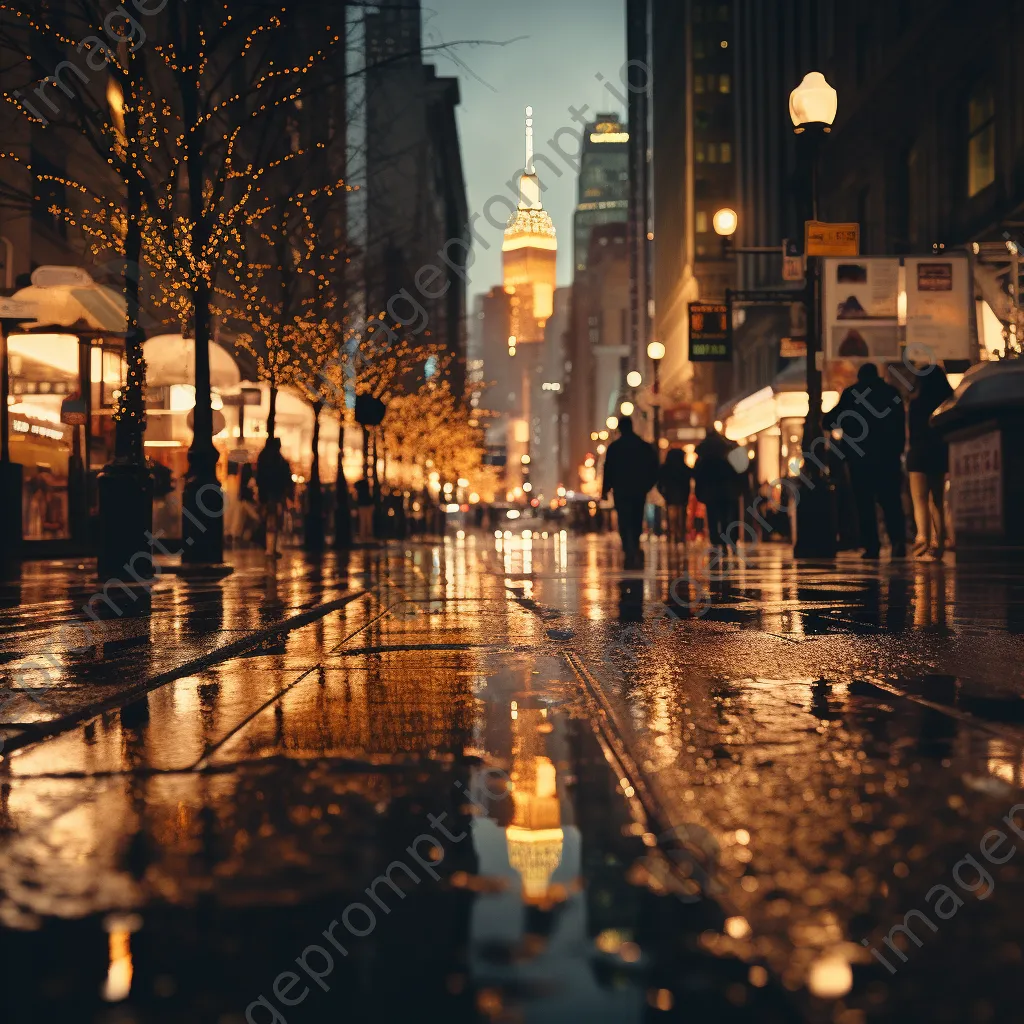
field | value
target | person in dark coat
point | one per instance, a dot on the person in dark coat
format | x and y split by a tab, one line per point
630	471
364	503
674	485
274	483
928	463
871	414
718	487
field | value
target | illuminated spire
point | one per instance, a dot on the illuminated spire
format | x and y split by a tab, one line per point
529	183
530	169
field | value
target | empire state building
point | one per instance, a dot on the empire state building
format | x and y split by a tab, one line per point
528	257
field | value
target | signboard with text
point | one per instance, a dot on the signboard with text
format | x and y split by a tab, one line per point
939	297
821	239
860	308
976	484
710	333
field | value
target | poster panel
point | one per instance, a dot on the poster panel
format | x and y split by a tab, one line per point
861	308
939	298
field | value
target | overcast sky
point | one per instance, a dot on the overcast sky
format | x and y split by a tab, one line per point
553	51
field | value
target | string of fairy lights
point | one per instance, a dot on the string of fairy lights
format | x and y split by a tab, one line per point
258	262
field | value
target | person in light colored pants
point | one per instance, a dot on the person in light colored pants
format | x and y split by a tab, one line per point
928	461
928	492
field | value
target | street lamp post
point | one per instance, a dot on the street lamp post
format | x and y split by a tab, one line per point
812	108
656	352
725	222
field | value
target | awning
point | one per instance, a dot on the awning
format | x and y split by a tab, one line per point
784	398
171	359
94	308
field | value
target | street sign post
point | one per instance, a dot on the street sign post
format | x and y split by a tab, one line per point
792	268
821	239
710	332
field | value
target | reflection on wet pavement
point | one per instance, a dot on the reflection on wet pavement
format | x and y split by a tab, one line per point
654	795
69	643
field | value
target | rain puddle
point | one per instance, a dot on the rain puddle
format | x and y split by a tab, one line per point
509	875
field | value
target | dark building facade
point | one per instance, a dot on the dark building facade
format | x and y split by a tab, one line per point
599	352
416	198
927	149
692	176
603	186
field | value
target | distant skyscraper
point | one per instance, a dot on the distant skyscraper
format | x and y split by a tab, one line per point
415	195
603	183
528	256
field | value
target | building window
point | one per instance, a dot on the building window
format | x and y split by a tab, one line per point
863	43
723	12
698	83
724	84
698	49
914	198
696	13
726	152
712	152
981	140
702	222
700	153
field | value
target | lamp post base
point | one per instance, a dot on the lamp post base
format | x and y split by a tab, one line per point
314	528
125	550
815	520
11	480
202	510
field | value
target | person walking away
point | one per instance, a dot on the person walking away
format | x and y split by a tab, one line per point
274	483
674	486
718	487
928	463
250	518
630	471
874	410
364	502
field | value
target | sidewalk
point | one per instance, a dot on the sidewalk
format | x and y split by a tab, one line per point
744	813
72	646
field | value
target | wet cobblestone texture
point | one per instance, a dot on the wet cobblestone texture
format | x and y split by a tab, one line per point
504	780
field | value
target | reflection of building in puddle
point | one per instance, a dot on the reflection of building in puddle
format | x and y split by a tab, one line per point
1006	761
535	835
119	927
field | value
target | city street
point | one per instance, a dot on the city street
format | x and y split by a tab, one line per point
500	779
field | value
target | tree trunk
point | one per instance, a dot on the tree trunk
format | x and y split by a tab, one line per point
314	532
272	413
125	487
342	504
202	504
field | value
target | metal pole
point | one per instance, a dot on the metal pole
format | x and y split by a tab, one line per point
657	406
8	263
5	390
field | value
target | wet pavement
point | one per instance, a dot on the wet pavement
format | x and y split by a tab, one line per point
70	643
510	782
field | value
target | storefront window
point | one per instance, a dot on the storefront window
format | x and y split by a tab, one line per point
981	144
43	374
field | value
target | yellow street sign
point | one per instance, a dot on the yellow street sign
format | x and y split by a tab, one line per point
821	239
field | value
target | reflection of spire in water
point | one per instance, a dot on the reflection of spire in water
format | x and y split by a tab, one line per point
119	928
535	836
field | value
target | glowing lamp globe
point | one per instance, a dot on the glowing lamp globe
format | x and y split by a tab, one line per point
634	379
626	408
725	222
656	350
612	422
813	101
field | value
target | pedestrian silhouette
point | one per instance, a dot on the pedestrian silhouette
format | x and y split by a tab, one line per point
674	485
871	416
718	486
630	471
